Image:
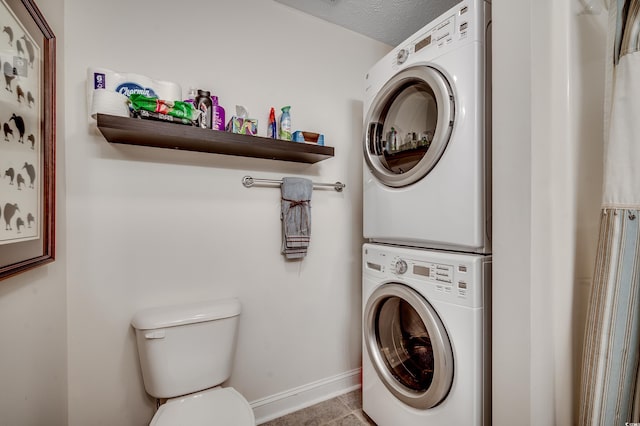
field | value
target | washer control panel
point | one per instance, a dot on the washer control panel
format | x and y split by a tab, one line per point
456	278
438	272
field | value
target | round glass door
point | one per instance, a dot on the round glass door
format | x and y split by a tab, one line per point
408	126
408	346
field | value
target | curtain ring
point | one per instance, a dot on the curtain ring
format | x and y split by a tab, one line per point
631	216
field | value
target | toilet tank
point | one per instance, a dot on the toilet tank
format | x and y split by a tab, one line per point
186	348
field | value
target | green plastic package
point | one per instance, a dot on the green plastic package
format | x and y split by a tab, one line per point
178	109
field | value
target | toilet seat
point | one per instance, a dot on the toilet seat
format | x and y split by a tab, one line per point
217	406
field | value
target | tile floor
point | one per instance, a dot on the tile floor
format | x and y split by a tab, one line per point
343	410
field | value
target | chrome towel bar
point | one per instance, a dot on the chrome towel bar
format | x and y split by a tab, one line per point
248	182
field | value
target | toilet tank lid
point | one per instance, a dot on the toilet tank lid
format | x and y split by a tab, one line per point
191	313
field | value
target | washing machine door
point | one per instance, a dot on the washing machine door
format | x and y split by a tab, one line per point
408	346
408	126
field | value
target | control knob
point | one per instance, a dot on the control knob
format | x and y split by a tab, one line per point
402	56
401	267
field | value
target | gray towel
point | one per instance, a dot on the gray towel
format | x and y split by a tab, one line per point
296	216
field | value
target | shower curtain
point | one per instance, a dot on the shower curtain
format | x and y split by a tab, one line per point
610	392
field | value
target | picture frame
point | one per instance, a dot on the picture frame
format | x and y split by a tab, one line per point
27	139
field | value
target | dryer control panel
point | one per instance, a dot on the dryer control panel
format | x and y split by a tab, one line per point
453	29
439	35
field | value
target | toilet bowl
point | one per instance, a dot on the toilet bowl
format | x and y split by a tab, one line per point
217	406
186	352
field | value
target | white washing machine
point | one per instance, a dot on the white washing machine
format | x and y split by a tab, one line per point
427	142
426	346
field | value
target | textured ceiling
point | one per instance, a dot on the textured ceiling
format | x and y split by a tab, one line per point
388	21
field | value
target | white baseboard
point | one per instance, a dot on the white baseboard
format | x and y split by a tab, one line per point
274	406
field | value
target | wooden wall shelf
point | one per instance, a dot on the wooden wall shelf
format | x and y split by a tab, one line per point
134	131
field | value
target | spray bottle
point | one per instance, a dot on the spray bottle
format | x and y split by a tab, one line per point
285	124
272	130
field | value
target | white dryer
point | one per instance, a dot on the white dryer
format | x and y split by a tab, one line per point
426	355
427	141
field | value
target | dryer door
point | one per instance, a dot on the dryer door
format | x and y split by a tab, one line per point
408	126
408	346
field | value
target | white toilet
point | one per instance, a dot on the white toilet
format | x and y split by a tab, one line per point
186	352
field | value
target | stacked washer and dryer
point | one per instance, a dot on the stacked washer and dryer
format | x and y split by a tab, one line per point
427	221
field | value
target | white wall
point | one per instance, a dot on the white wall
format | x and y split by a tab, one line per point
548	94
33	323
152	227
588	37
511	213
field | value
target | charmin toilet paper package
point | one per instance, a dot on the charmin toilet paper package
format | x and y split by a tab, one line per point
108	102
123	85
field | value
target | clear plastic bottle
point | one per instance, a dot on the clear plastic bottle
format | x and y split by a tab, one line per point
191	96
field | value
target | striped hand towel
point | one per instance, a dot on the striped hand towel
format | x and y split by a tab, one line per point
296	216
